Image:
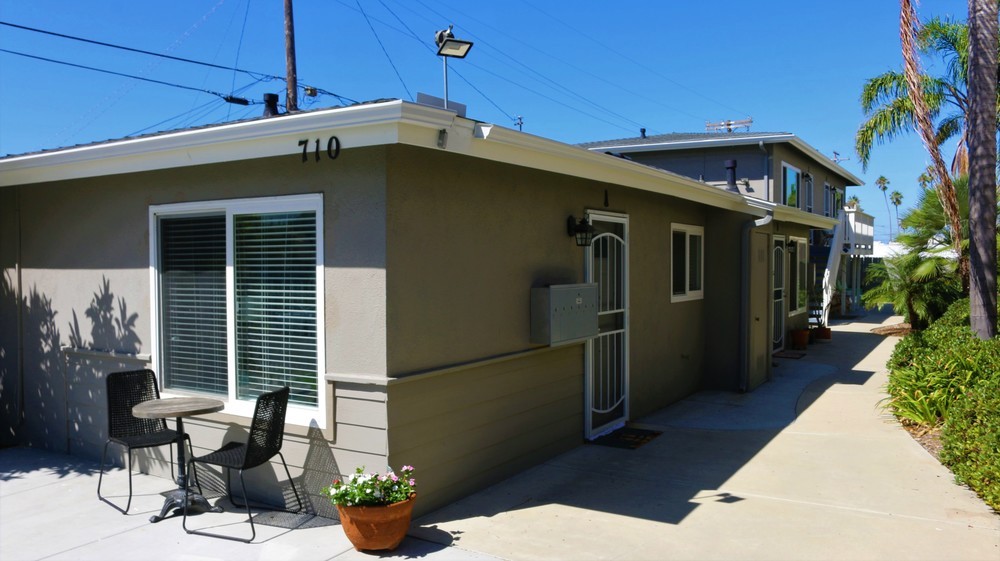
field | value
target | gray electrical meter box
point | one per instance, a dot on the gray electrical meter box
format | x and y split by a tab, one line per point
563	313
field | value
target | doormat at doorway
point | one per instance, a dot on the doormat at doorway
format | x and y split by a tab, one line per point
789	354
627	437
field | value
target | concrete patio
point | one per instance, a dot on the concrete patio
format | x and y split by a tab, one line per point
806	467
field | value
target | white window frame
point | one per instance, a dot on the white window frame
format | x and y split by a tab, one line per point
807	185
688	294
784	187
801	267
297	414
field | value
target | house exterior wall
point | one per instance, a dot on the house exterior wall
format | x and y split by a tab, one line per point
86	283
476	400
429	262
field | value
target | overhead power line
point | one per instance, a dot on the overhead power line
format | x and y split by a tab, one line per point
225	97
140	51
259	76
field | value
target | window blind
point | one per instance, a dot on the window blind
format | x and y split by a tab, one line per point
275	275
193	303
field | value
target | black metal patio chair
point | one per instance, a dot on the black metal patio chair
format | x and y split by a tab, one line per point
124	391
263	443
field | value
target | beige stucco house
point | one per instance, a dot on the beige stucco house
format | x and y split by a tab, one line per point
380	259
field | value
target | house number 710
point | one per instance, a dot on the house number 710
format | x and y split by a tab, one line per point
332	148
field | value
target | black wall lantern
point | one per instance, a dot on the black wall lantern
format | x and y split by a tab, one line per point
583	231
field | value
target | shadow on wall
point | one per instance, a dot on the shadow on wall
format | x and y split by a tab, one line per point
59	403
11	389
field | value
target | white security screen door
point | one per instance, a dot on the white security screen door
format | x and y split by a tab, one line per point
606	382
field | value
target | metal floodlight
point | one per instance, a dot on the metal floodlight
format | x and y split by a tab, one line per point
450	47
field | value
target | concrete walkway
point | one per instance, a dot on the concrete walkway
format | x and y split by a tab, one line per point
805	467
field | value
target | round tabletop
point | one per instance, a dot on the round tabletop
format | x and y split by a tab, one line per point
177	407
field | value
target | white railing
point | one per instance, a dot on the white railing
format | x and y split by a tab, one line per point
832	269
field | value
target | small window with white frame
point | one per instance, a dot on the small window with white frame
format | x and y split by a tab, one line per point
798	283
791	178
238	301
687	265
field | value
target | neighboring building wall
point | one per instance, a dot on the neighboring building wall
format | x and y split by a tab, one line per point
821	175
709	165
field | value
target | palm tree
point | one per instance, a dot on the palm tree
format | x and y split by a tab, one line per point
854	202
922	115
981	133
883	185
926	179
925	228
919	287
896	198
899	102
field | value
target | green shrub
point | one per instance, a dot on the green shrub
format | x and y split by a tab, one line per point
930	370
957	314
946	374
971	439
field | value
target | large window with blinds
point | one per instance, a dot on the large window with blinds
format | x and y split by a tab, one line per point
239	296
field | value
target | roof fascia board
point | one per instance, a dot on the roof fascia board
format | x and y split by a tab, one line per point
741	141
797	216
502	144
695	143
363	125
393	122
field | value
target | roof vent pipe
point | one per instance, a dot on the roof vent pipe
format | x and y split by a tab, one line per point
731	176
270	104
642	132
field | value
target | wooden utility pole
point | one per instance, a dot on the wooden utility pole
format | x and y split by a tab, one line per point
291	95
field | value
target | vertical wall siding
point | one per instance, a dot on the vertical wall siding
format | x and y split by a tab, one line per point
468	428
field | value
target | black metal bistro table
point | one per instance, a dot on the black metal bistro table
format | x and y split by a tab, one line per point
178	408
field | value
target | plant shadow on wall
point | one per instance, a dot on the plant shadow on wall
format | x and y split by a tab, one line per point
58	402
109	332
112	347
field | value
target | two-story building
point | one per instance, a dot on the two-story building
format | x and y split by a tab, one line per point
816	268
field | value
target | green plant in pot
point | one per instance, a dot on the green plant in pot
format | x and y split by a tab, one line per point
374	509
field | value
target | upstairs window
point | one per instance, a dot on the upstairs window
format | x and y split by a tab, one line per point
238	292
687	262
790	179
807	186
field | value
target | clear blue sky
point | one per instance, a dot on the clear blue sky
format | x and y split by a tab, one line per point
574	71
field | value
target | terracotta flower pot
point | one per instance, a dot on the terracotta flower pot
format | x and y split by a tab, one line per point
800	339
377	527
824	334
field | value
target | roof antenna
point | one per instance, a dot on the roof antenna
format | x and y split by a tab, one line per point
729	125
642	132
